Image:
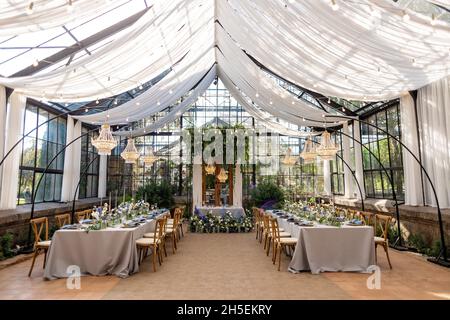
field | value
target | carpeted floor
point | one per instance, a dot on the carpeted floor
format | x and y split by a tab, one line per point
234	266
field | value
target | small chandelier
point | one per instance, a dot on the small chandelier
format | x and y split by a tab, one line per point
210	169
327	149
130	154
309	152
222	176
149	159
288	160
105	141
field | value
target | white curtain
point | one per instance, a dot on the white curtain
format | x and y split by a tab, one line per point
102	176
2	126
348	177
14	130
66	189
327	177
197	176
359	172
411	169
237	188
433	103
76	160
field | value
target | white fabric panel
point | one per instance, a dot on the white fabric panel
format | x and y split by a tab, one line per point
14	130
197	199
348	177
76	159
411	169
434	115
177	111
326	177
237	188
47	14
363	50
159	39
2	126
359	172
66	189
157	98
102	176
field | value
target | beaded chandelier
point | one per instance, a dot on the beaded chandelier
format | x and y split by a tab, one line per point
105	141
149	158
327	149
222	176
309	152
288	160
130	154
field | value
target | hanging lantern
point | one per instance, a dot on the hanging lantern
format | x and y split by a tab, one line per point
149	159
288	160
105	141
210	169
327	149
130	154
309	152
222	176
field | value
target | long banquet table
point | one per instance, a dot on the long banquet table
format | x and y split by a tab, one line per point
237	212
111	251
328	248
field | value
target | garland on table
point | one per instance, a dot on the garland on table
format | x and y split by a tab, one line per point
211	223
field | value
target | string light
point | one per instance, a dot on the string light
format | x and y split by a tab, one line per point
433	20
293	102
86	110
141	87
115	101
30	8
257	94
96	101
414	63
70	6
35	63
405	16
329	100
158	103
170	91
334	5
138	103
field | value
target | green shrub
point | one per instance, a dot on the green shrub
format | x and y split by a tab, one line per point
265	192
160	194
6	242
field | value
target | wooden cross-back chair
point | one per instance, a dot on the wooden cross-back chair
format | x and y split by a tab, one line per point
154	243
368	218
62	219
382	222
41	242
280	243
257	214
82	215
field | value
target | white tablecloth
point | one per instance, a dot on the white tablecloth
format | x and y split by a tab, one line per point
110	251
327	248
237	212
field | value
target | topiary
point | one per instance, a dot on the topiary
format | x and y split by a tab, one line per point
160	194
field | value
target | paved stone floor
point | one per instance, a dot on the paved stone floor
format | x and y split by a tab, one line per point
234	266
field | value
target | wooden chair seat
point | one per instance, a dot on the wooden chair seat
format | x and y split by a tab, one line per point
146	242
43	244
284	234
288	240
379	239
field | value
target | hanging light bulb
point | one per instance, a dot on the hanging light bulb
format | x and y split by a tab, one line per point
115	101
327	149
130	153
222	176
288	160
257	94
30	8
105	141
35	63
433	19
141	87
96	101
70	6
405	16
170	91
334	5
149	158
86	110
309	152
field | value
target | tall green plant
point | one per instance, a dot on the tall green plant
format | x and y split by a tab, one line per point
160	194
267	192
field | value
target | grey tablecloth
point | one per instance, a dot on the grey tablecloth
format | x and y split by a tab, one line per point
237	212
326	248
103	252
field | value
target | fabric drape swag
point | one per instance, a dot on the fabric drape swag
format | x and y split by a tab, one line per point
13	131
72	160
433	103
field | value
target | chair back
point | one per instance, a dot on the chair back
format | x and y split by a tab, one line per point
266	223
85	214
62	219
159	229
383	222
275	229
368	218
40	228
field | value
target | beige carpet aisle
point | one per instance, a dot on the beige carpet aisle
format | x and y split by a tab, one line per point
233	266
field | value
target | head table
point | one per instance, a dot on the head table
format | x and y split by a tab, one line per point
110	251
236	212
328	248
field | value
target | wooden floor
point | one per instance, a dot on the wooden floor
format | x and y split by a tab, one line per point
234	266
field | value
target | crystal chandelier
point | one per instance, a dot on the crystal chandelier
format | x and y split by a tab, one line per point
309	152
288	160
222	176
327	149
210	168
149	158
105	141
130	154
